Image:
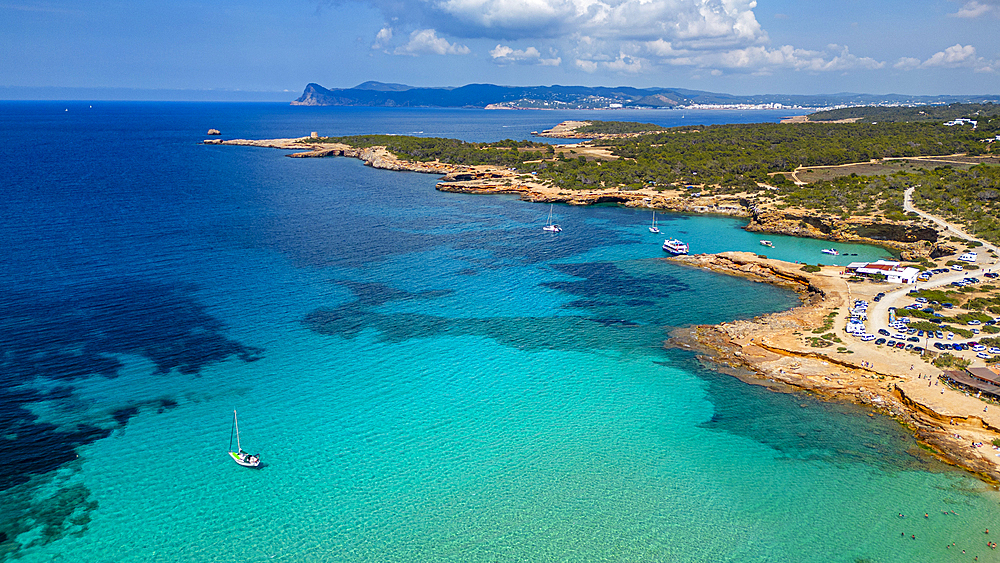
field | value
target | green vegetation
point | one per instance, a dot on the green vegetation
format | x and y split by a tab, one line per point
754	160
426	149
970	197
933	114
618	127
810	268
947	360
827	325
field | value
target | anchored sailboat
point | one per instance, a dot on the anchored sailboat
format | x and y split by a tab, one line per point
240	456
549	226
653	228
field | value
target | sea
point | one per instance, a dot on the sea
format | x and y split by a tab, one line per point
426	376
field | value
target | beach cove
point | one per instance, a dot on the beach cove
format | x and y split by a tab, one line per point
773	347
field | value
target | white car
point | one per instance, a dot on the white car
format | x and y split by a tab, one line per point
979	348
994	350
957	267
982	355
868	338
951	335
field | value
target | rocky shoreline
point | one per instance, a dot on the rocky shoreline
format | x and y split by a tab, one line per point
774	350
911	241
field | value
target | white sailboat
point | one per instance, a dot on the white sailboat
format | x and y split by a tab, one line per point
653	228
549	226
240	456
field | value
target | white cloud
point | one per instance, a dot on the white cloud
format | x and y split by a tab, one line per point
504	55
426	42
694	22
759	59
976	8
382	38
956	56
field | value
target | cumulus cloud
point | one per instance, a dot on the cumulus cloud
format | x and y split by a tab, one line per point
426	42
956	56
977	8
623	36
504	55
726	22
756	59
382	38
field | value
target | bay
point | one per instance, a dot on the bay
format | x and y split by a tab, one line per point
426	376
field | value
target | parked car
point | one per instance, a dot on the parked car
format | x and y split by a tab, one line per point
921	300
913	339
900	344
947	305
883	332
957	267
891	343
880	341
909	347
939	334
982	355
973	322
991	275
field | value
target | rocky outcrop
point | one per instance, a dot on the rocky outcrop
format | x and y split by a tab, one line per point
911	241
214	132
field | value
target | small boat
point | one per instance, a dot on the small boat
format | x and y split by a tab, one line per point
240	456
767	243
549	226
653	228
675	246
830	251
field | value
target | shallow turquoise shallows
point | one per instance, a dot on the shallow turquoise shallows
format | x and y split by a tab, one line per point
426	376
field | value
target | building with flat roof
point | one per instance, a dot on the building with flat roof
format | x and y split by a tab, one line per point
893	271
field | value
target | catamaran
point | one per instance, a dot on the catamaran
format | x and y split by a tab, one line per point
654	228
767	243
549	226
240	456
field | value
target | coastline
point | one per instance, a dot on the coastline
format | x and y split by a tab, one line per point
774	350
487	179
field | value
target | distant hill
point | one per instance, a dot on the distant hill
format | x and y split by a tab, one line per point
587	97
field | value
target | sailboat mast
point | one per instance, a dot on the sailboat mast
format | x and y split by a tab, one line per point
231	427
236	423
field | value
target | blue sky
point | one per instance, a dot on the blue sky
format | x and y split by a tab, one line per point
735	46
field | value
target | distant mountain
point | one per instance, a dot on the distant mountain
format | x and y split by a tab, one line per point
586	97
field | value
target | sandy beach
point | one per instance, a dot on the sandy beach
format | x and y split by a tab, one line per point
777	350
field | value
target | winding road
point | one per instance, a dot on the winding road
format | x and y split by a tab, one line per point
878	314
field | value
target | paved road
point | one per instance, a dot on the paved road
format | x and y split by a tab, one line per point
878	313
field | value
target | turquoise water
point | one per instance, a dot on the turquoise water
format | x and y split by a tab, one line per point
426	376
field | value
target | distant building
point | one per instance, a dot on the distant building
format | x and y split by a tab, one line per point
893	272
962	121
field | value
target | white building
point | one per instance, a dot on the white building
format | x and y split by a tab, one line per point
893	272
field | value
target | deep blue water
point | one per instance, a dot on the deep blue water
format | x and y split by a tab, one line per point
427	376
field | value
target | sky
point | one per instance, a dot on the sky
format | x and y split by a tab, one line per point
256	49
